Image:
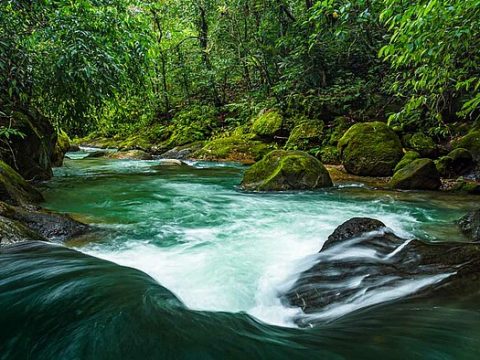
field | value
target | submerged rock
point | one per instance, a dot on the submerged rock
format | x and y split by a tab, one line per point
282	170
420	174
470	225
14	189
364	263
370	149
49	225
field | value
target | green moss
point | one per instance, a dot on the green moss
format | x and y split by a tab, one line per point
337	130
282	170
233	148
329	155
14	189
305	135
457	162
268	123
370	149
420	174
62	145
469	187
471	142
422	144
407	159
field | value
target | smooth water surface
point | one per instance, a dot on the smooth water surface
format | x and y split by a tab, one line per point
226	255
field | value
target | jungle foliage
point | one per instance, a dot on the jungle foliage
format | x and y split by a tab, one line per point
116	65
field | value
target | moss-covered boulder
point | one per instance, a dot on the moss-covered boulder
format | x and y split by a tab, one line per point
421	143
329	155
31	153
407	159
370	149
305	135
130	155
420	174
61	147
466	186
234	148
282	170
14	189
458	162
471	142
268	124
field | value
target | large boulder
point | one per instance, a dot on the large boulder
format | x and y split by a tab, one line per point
457	163
420	174
470	225
49	225
305	135
268	124
14	189
364	263
282	170
31	153
370	149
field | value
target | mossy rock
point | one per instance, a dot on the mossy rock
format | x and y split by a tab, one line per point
337	129
329	155
282	170
234	148
422	144
471	142
458	162
370	149
420	174
468	187
305	135
268	123
14	189
130	155
62	145
407	159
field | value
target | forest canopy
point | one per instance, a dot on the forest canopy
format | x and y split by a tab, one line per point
113	65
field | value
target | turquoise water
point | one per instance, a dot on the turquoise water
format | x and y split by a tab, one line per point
189	266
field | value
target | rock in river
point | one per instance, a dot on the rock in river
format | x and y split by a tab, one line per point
282	170
364	263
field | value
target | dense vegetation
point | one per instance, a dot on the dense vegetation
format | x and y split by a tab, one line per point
116	66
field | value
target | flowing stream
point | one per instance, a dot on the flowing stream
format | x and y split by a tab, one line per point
195	268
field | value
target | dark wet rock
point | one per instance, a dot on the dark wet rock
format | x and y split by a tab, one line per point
51	226
12	232
470	225
31	154
14	189
370	149
177	153
282	170
420	174
352	228
364	263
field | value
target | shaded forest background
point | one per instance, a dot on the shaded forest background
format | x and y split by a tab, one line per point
119	66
